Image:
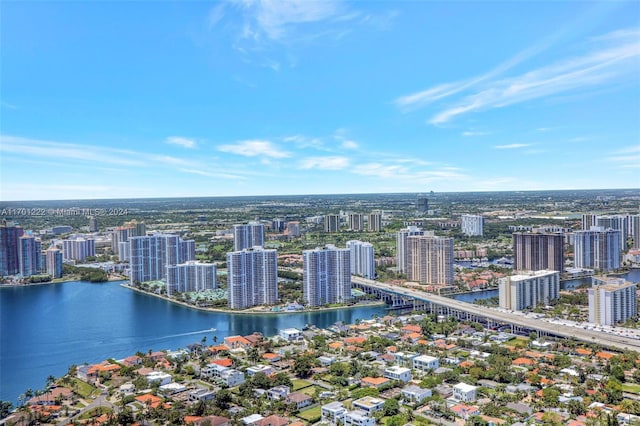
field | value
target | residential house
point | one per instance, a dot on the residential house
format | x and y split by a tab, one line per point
395	372
464	392
358	418
414	394
426	362
300	399
333	412
368	404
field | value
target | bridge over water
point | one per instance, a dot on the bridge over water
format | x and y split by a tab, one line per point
401	297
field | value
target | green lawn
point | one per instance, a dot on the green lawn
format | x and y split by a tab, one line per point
311	390
82	388
311	414
96	412
631	387
518	342
298	384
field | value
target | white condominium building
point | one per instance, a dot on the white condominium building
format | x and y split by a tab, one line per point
518	292
78	249
326	275
190	276
612	300
472	225
252	277
362	259
150	256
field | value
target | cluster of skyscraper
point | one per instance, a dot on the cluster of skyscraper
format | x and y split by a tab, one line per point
252	271
21	254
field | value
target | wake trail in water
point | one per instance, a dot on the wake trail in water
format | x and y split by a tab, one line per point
191	333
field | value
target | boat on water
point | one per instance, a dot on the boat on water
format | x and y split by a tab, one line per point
212	329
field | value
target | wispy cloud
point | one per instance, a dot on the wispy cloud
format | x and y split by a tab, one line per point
513	146
253	148
471	133
212	174
612	56
6	104
601	65
275	19
325	163
97	156
349	144
181	141
627	158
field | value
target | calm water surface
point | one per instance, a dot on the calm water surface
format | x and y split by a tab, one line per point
47	328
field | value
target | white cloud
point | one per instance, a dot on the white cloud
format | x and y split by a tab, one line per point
471	133
596	67
276	19
212	174
325	163
254	148
181	141
68	151
349	144
512	146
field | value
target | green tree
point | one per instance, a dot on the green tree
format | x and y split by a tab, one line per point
302	365
391	407
5	409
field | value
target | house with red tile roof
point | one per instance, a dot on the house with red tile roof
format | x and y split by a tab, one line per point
225	362
465	411
237	342
271	357
374	382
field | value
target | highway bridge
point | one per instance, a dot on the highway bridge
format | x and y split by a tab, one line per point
397	296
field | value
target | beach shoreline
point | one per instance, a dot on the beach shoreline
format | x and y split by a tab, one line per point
250	311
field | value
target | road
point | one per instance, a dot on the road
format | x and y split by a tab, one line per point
603	339
100	401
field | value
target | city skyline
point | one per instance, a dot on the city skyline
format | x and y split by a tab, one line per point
272	98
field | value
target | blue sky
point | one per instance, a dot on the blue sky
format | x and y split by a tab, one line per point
147	99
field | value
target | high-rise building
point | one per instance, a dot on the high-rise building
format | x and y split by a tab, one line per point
588	220
356	221
634	230
93	224
430	259
190	276
54	262
78	249
612	300
9	250
248	236
252	277
422	204
278	225
326	275
122	235
362	259
537	251
597	249
401	245
150	255
293	229
617	222
30	251
331	223
472	225
375	222
517	292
